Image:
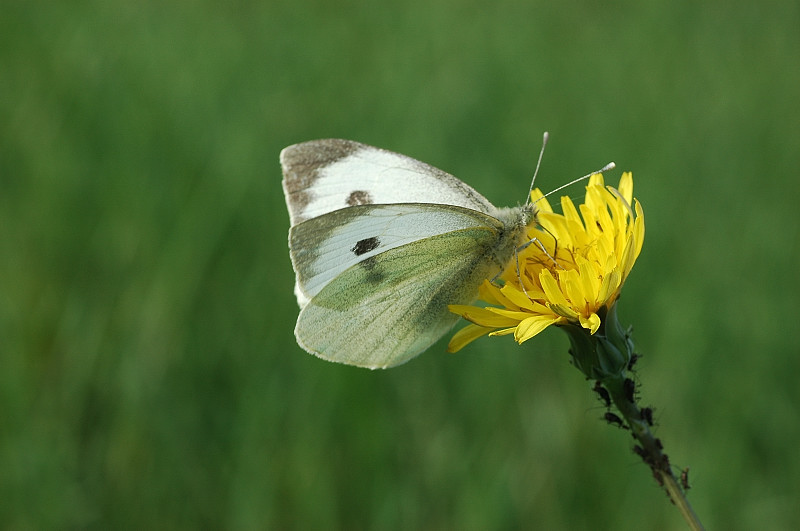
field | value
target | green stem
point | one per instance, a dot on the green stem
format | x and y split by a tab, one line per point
607	356
678	496
649	448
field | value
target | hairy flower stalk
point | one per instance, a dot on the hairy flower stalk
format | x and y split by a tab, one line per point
570	275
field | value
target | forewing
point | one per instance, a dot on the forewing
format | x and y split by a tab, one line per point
322	176
388	308
324	247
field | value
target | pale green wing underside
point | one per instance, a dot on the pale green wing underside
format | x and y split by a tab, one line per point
388	308
324	247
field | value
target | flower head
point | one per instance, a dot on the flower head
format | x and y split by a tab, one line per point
569	273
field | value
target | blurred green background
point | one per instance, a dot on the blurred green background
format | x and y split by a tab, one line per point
150	377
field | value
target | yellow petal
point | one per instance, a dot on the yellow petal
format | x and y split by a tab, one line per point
625	186
484	316
609	286
517	297
531	327
589	279
592	323
569	210
510	315
596	180
461	309
573	287
488	292
519	316
590	223
503	332
551	288
564	311
503	299
538	199
465	336
638	227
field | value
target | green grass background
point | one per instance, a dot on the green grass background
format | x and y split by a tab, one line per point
149	374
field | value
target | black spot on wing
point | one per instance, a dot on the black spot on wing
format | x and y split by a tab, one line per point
359	197
366	245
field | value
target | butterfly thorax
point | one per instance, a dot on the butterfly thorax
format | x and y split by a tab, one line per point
514	235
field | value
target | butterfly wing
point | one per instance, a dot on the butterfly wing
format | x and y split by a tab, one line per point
324	247
385	308
382	244
322	176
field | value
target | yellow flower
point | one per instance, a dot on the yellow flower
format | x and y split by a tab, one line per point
571	272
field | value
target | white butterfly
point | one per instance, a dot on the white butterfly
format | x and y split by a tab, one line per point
381	244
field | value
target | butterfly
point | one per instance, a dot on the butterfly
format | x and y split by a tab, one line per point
381	244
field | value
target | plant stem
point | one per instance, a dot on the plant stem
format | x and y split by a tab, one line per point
650	449
678	497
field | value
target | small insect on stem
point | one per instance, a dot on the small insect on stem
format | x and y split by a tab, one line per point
647	415
629	387
638	450
611	418
602	393
685	478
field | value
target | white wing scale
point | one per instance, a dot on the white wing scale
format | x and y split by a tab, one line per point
321	176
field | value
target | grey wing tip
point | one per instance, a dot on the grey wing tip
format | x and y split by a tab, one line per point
318	152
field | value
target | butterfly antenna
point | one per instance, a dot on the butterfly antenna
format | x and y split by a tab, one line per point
545	137
609	166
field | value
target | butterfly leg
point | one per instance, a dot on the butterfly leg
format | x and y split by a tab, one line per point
516	261
522	248
555	246
542	248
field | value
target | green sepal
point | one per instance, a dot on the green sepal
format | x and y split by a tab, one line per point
605	354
